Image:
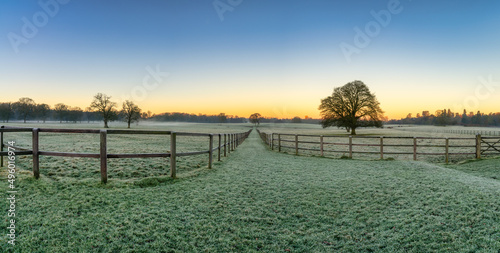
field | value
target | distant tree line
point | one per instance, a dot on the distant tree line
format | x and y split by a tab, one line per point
447	117
292	120
198	118
101	109
26	109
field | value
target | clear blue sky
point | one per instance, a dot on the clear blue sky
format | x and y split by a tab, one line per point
275	57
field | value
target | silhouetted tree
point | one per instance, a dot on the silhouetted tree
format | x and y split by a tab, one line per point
351	106
42	111
255	118
106	108
6	111
131	112
222	117
25	107
74	114
296	120
61	110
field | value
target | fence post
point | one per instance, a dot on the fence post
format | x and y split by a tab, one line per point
321	144
232	141
228	144
225	145
1	147
381	147
446	149
210	152
414	148
104	157
478	146
279	142
36	157
218	149
272	141
350	146
296	144
173	154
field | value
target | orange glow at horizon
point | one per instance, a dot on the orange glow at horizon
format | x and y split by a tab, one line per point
395	107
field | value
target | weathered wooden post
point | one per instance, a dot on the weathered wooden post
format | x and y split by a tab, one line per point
232	142
228	144
225	145
1	146
210	150
218	149
381	147
296	144
173	154
36	156
279	142
272	141
321	145
414	148
478	146
104	157
446	149
350	146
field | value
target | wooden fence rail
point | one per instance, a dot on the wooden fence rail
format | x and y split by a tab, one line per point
454	131
478	146
231	141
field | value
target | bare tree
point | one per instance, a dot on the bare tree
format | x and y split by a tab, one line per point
131	112
255	118
351	106
107	109
25	107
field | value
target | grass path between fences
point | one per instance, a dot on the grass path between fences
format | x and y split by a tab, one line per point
259	200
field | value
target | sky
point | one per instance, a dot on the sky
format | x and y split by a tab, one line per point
238	57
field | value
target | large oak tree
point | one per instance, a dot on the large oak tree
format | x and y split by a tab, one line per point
351	106
255	118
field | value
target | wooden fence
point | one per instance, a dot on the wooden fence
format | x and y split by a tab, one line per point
453	131
478	146
227	142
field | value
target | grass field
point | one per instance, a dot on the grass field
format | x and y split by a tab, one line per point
258	200
122	169
436	145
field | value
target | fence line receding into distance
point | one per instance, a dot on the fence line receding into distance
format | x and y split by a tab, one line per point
227	142
477	146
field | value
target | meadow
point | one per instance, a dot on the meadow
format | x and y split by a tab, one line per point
431	140
120	169
257	200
